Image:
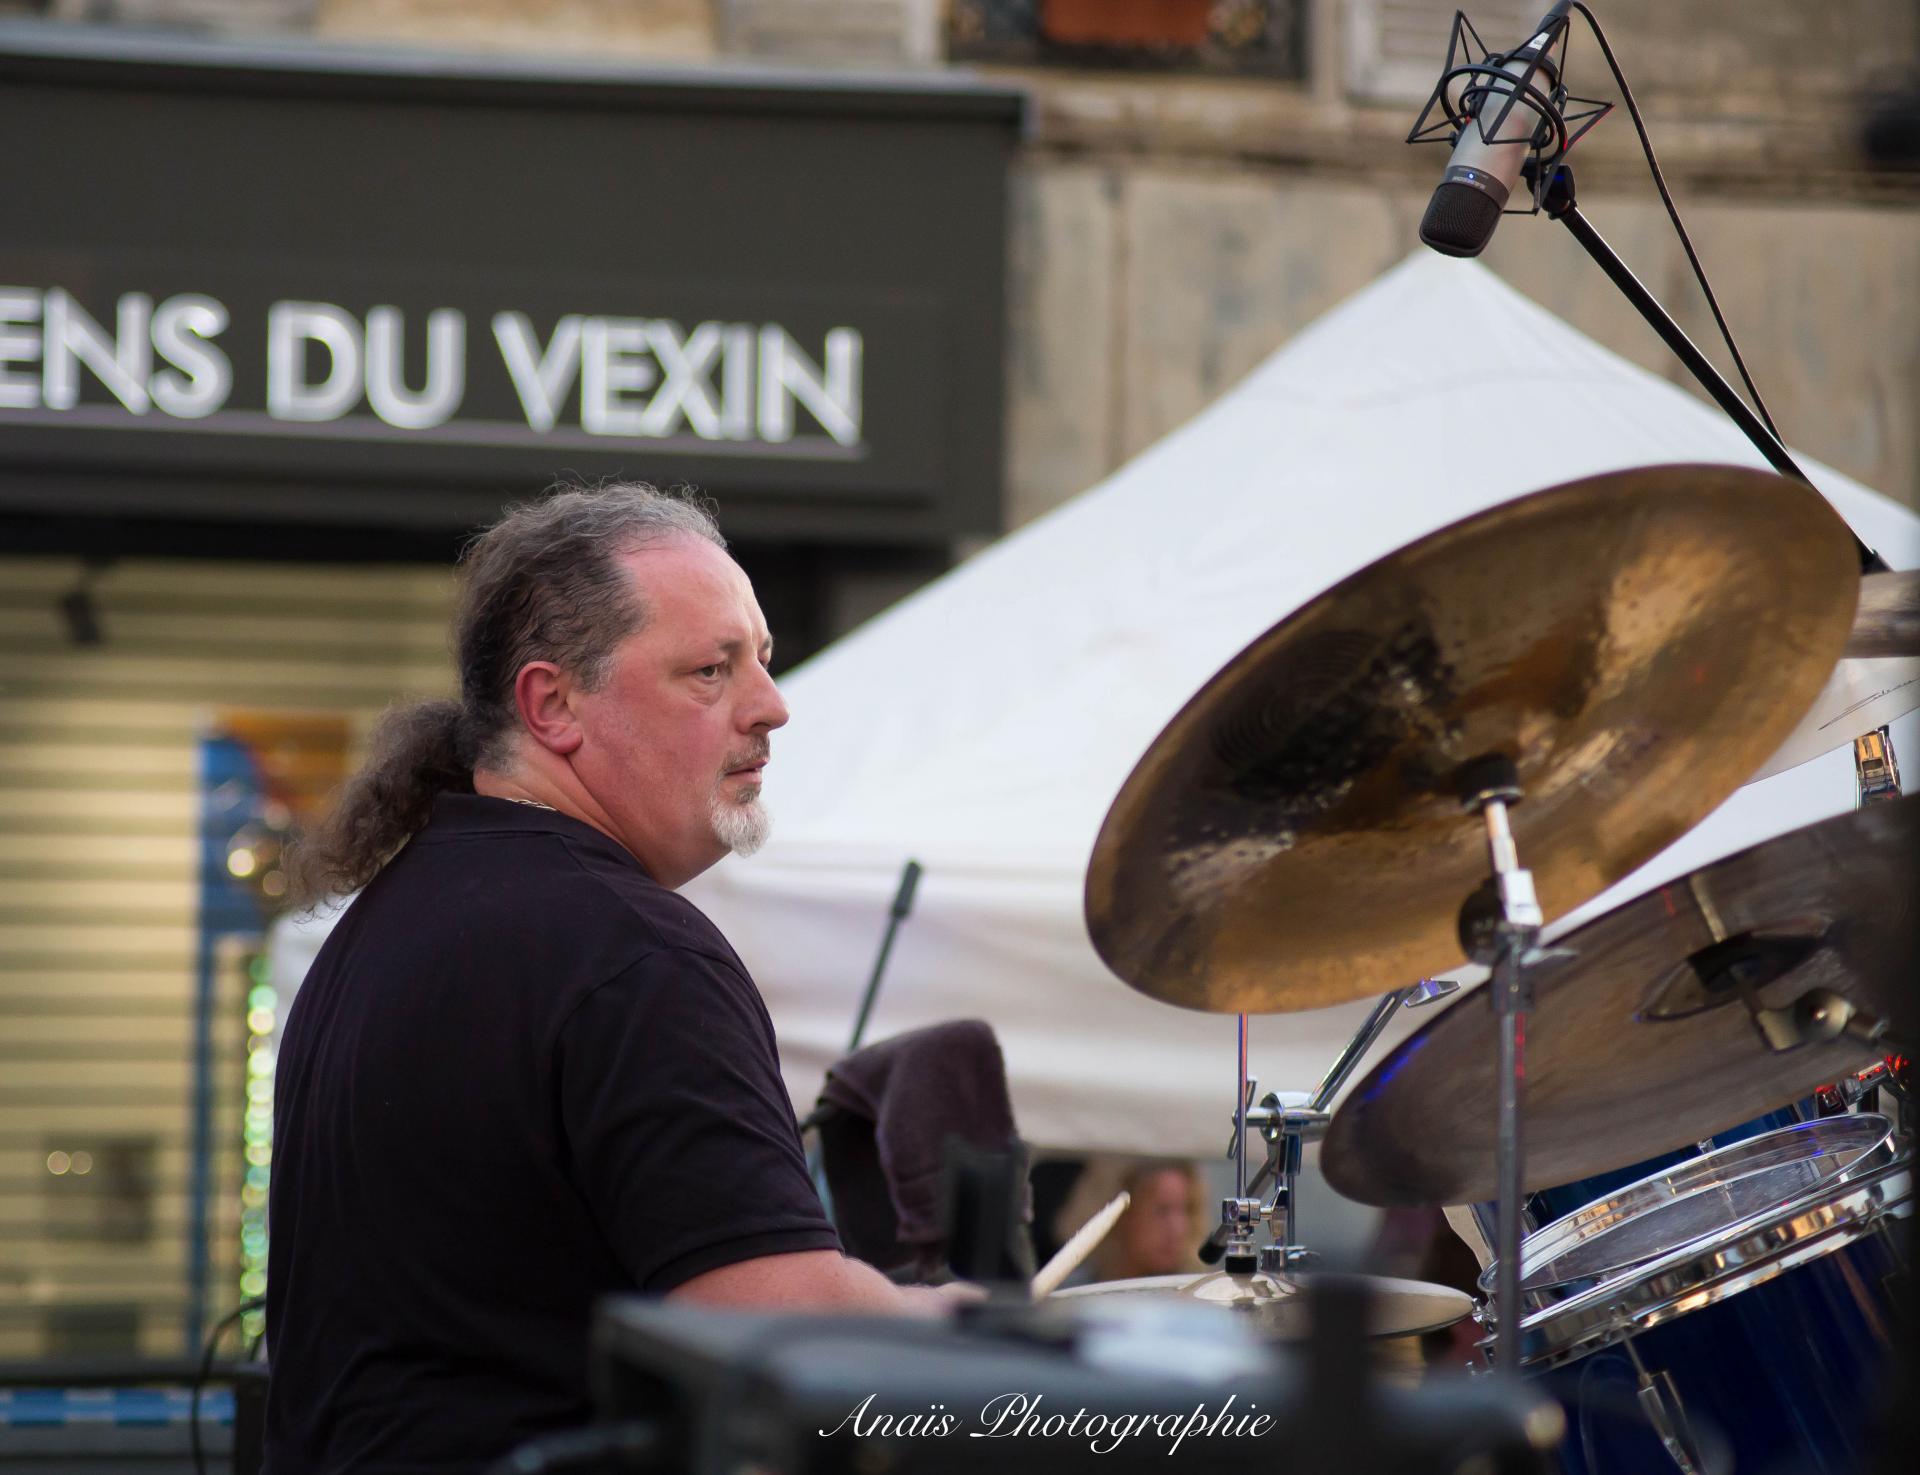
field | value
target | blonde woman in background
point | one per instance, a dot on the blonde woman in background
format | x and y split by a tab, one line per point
1161	1231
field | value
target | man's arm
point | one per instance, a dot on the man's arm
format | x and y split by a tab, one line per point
816	1280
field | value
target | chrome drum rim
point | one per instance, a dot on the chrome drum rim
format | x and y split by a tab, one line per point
1704	1273
1698	1200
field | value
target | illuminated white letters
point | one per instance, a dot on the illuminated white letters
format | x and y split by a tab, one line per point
611	367
291	326
736	383
635	378
541	379
832	394
19	344
446	382
685	389
201	377
71	338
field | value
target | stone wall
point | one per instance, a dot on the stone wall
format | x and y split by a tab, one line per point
1142	289
824	32
834	32
1169	231
644	29
242	16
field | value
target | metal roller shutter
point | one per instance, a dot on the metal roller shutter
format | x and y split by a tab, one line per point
105	824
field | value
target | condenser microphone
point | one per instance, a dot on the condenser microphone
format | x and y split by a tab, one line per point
1481	174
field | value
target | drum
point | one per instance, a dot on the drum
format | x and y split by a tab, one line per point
1549	1204
1580	1232
1738	1303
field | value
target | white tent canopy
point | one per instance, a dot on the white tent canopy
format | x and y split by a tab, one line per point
983	726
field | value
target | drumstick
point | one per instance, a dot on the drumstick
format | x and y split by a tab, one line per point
1086	1239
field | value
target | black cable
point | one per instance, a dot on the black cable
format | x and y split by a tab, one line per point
205	1371
1660	183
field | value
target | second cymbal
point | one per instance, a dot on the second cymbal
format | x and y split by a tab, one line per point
1641	1040
1636	642
1887	622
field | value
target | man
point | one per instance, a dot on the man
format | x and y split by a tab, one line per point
522	1073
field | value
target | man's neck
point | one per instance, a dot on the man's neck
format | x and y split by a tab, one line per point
523	787
556	787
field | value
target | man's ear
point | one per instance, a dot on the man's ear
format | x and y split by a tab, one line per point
543	694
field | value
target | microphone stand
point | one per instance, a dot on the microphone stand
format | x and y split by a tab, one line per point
896	914
1558	202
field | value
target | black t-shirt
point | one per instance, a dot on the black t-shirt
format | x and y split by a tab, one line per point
520	1075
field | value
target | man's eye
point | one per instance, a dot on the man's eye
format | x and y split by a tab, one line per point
710	671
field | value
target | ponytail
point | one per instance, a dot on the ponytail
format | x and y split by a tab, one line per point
414	753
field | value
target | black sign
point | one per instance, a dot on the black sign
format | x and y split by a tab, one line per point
289	287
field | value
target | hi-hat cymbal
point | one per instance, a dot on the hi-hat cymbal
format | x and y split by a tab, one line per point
1636	642
1876	681
1637	1044
1859	696
1887	621
1277	1305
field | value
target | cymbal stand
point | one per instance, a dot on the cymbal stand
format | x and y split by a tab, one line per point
1286	1130
1500	926
1876	771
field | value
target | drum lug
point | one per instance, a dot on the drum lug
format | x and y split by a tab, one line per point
1660	1402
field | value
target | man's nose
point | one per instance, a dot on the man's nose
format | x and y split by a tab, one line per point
765	708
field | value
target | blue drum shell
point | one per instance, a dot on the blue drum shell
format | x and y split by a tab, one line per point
1789	1375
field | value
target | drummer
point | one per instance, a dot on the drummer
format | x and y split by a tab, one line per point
523	1073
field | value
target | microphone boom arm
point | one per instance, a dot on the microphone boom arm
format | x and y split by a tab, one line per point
1558	203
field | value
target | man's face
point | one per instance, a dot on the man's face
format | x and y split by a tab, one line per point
673	744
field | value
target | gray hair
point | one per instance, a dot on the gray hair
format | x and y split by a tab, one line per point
544	583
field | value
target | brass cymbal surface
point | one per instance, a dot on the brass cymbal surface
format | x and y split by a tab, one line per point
1637	643
1277	1305
1639	1042
1887	622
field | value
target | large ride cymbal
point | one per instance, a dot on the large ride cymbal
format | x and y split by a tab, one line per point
1636	1045
1637	642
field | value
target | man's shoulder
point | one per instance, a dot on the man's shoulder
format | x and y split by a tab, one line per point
665	919
579	891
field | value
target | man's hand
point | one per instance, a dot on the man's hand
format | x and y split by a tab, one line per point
818	1280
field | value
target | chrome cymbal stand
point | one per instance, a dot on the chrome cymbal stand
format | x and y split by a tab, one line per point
1500	927
1876	771
1286	1131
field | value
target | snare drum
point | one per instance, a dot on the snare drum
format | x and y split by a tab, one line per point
1551	1204
1737	1302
